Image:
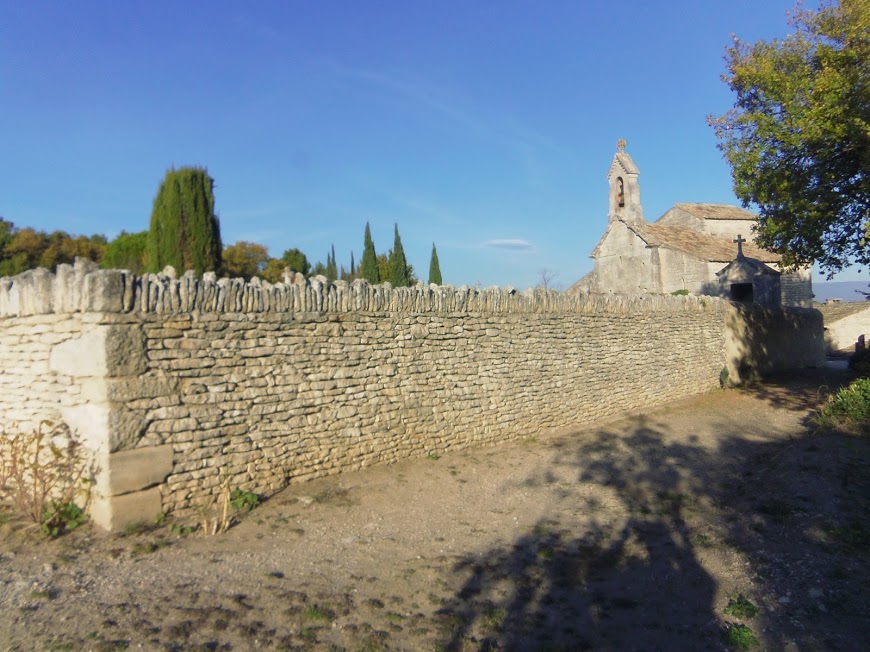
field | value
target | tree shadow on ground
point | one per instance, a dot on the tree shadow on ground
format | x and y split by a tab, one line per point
633	570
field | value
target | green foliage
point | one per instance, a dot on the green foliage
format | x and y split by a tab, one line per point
399	277
24	249
296	261
331	267
369	265
848	409
318	612
244	259
434	268
724	378
680	293
61	517
739	636
740	607
127	251
241	499
798	137
185	231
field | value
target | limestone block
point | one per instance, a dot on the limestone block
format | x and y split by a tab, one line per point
133	470
116	350
35	291
81	356
125	351
105	427
115	513
103	291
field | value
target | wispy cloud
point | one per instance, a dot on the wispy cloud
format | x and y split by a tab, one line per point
492	125
513	244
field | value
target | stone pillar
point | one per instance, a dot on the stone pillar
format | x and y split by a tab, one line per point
107	361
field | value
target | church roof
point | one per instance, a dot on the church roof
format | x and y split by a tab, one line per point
717	212
712	248
626	163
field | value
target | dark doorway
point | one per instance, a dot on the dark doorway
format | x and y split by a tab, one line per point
742	292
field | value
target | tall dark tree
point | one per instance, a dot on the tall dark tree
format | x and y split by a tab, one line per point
331	266
798	137
434	268
369	264
185	231
399	276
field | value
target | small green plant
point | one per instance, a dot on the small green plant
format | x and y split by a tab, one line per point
848	409
244	500
62	517
180	530
433	456
680	293
724	378
318	612
739	636
741	608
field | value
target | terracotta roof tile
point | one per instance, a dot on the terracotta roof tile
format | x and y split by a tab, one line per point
707	247
717	212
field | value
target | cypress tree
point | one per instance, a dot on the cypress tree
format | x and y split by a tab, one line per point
185	231
352	268
434	268
369	264
399	277
331	266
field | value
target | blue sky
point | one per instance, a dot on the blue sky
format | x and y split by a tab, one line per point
484	126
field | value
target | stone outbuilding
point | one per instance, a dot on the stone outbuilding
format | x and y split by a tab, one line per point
689	248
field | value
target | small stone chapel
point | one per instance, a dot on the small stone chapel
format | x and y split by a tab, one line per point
698	248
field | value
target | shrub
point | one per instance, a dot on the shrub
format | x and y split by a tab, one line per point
848	409
860	362
42	476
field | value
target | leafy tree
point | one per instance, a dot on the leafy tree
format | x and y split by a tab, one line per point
384	265
369	265
385	269
798	136
185	231
273	270
296	261
434	268
399	276
245	259
27	248
319	269
127	251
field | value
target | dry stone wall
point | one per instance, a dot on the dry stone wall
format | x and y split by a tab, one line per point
184	386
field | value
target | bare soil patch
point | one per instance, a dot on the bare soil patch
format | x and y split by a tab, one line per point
637	534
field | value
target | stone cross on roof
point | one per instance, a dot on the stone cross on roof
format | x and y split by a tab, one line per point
620	145
740	240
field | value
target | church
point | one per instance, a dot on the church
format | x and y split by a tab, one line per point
693	248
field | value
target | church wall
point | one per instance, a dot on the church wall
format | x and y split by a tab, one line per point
682	272
797	288
624	263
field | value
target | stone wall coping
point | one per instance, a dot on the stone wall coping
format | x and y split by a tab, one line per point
84	288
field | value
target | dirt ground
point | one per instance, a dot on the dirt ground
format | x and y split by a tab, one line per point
636	534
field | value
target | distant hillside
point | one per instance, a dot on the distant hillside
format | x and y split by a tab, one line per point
844	290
